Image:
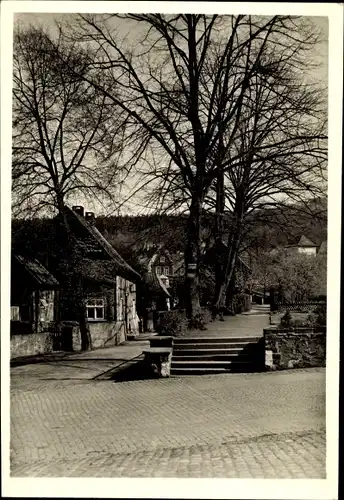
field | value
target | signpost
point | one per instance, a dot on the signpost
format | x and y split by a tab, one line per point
191	270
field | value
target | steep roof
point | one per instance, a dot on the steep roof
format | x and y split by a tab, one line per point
120	266
37	271
305	242
155	284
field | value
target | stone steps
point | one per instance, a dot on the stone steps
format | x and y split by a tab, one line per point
212	346
202	356
211	352
197	355
215	340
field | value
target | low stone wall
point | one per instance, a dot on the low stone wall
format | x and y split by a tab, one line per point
294	348
31	344
107	333
158	361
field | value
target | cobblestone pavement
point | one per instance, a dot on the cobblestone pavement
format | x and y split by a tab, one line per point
234	425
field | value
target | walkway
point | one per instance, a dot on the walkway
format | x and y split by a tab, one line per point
242	325
103	363
76	367
69	419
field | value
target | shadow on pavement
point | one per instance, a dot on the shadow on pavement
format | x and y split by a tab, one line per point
135	370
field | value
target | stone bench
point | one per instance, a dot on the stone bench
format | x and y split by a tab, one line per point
161	341
158	360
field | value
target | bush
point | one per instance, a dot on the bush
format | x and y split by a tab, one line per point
311	320
320	313
286	320
241	303
172	323
316	318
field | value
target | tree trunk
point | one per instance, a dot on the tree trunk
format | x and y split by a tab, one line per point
233	251
192	257
219	261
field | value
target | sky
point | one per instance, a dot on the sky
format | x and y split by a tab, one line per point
137	203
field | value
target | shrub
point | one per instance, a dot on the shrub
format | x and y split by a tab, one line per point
311	320
286	320
320	313
316	318
172	323
241	303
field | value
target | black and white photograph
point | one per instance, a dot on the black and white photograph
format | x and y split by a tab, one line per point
171	243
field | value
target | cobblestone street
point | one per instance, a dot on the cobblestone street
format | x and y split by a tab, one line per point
269	425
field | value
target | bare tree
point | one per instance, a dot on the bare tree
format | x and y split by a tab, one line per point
278	155
65	133
65	142
185	83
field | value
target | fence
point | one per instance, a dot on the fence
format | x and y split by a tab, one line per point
299	306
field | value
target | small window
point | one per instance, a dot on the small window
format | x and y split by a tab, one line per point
162	259
15	316
167	271
158	270
95	309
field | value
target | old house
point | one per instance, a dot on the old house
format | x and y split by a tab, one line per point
109	283
102	278
303	246
161	264
34	300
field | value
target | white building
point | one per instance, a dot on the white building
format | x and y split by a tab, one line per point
304	246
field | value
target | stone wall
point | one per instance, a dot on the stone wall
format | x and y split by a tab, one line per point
107	333
102	333
31	344
294	348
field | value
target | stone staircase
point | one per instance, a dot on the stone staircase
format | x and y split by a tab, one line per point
201	355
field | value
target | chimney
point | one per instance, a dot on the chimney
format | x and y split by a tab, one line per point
79	210
89	216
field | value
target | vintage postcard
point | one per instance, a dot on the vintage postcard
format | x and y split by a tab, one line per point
170	249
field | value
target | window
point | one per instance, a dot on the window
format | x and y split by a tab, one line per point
162	259
167	271
46	306
158	270
95	309
15	316
166	282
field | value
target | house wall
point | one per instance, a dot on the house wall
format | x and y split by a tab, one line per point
121	316
307	250
107	333
34	336
31	344
126	305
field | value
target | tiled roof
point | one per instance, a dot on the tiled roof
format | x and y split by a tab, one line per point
37	271
305	242
120	267
155	284
98	270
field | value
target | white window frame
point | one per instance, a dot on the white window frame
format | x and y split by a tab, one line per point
162	259
166	270
158	270
15	313
95	304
